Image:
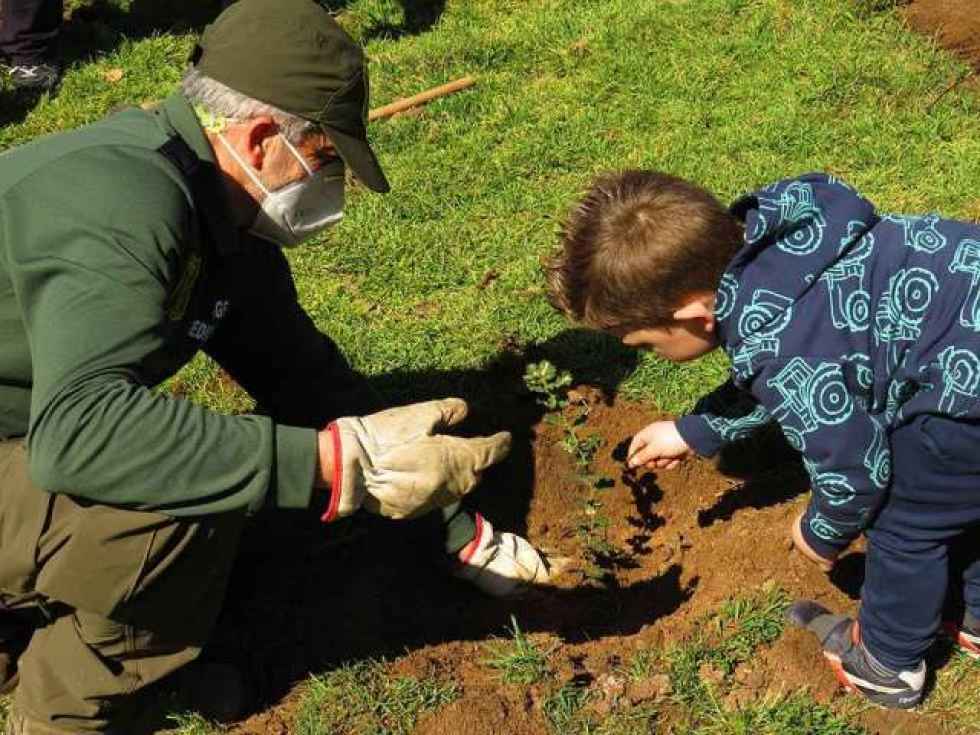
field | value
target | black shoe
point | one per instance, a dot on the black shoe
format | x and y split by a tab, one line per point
856	669
41	77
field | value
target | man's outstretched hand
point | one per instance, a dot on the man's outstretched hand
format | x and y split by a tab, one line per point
395	464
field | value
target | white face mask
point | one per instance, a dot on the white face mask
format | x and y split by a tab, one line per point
296	212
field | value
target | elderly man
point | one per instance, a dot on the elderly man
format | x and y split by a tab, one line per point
126	247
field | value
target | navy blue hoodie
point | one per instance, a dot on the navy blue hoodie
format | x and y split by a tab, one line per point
842	324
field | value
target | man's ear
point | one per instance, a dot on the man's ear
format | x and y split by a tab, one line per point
256	134
698	306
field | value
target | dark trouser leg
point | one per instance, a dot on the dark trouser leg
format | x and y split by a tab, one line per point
934	497
29	30
902	599
132	597
971	592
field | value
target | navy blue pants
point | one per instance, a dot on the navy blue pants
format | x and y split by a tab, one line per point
933	500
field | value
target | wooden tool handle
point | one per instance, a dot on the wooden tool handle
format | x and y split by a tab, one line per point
408	103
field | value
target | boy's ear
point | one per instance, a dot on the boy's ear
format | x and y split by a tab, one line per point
701	306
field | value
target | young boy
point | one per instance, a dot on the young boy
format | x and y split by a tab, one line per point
858	332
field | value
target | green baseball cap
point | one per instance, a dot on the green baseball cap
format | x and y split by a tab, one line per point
291	54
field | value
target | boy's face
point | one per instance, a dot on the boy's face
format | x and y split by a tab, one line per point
678	343
691	335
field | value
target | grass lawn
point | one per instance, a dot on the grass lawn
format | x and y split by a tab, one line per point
427	286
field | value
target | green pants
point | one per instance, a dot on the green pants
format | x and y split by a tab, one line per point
127	598
124	597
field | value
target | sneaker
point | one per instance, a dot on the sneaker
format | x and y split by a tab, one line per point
856	669
965	636
42	77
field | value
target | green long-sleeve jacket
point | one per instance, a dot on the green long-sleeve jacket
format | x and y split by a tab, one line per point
115	268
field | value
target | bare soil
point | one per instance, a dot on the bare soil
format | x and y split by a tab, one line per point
691	538
954	23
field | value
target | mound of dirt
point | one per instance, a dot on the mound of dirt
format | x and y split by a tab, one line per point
954	23
679	544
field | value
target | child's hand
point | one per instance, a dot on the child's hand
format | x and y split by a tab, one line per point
804	548
659	446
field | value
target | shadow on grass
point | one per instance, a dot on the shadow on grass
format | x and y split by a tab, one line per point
97	29
419	16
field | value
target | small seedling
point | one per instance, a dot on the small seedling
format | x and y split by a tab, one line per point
521	661
551	387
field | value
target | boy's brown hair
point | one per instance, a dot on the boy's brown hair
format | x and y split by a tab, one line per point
635	246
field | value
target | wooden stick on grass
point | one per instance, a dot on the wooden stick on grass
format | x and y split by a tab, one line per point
417	100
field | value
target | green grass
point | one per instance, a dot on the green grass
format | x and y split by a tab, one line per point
190	723
362	699
562	708
518	661
794	714
955	702
726	640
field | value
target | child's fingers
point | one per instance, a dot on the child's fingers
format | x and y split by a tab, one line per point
672	464
636	444
644	454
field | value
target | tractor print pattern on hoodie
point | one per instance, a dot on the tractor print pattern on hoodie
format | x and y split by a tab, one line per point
843	324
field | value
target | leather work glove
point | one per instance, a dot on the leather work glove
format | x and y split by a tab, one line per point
394	464
504	564
796	533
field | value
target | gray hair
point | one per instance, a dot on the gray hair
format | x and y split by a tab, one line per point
222	102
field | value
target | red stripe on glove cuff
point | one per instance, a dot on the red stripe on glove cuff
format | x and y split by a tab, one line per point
475	543
338	475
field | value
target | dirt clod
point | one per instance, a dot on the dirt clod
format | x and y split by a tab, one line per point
652	689
610	688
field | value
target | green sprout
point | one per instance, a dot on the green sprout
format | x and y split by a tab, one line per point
551	386
552	389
